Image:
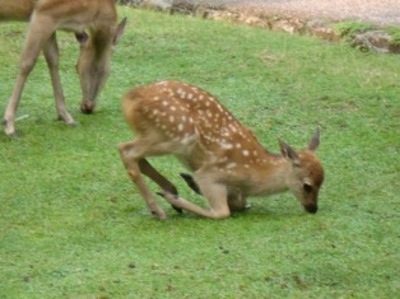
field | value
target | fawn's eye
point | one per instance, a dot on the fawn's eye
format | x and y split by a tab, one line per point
307	188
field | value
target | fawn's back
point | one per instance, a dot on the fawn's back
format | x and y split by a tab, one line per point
193	125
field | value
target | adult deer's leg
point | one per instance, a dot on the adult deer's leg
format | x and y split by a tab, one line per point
51	54
131	155
40	30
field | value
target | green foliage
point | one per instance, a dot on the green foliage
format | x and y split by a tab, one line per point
395	34
73	226
350	28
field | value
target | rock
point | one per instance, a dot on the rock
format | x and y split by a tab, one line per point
162	5
322	30
376	40
183	7
326	34
221	15
254	21
289	25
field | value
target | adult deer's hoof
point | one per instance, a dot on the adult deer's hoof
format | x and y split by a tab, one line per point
87	108
9	129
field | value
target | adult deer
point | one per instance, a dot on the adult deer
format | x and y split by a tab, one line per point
228	162
98	17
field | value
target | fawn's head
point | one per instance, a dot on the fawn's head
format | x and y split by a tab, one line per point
94	61
306	175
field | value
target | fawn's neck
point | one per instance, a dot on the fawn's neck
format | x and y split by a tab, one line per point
271	175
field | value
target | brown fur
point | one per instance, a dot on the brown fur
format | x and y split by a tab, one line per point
16	10
97	17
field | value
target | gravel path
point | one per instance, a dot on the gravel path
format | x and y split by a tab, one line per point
380	12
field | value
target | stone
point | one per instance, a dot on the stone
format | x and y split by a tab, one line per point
375	40
288	25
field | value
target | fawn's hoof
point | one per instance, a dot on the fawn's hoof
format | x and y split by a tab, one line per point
73	124
159	213
166	195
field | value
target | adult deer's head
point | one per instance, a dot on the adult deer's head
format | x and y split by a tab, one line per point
94	61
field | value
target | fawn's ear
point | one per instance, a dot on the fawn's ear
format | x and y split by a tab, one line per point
314	143
289	154
119	31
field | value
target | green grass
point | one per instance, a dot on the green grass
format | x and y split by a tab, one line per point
395	34
73	226
351	28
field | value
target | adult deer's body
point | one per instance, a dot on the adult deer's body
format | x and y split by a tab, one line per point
98	17
227	161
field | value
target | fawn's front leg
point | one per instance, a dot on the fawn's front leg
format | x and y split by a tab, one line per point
215	193
148	170
236	202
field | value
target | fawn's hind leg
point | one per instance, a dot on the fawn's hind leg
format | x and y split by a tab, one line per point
131	155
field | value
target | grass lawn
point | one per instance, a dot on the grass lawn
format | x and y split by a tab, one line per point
73	226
